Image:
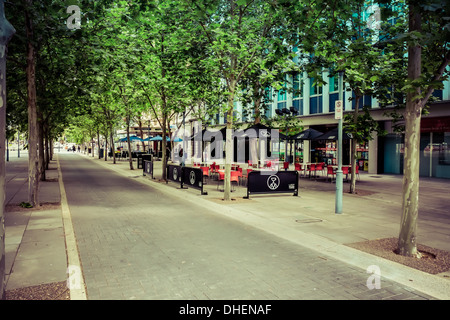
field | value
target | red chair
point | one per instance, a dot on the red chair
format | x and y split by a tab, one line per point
330	171
245	176
357	171
320	167
220	177
285	165
312	167
205	171
298	167
234	177
345	171
214	169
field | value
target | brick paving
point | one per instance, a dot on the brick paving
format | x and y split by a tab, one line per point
138	243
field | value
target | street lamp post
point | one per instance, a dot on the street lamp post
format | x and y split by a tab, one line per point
6	33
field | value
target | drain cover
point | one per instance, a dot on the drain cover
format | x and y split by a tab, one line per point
308	220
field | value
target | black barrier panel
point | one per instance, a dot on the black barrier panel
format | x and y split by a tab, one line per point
192	177
141	158
272	182
174	173
148	168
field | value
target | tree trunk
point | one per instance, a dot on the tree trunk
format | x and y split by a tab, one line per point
46	147
229	143
130	159
111	139
106	147
142	134
41	150
98	143
257	102
33	160
407	245
50	150
354	152
164	144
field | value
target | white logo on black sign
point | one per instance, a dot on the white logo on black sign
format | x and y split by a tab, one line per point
273	182
175	174
192	177
265	133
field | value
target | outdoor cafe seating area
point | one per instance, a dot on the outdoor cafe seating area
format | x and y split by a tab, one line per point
320	169
239	171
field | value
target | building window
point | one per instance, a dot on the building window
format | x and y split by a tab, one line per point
298	105
365	100
282	97
334	83
314	87
297	95
297	86
315	100
268	102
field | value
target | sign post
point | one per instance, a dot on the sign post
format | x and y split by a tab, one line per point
338	110
339	175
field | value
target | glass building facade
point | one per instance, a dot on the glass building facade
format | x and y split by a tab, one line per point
315	103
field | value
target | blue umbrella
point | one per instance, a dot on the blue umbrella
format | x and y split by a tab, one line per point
159	138
133	138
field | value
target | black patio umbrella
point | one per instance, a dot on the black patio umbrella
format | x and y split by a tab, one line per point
308	134
207	134
261	129
333	135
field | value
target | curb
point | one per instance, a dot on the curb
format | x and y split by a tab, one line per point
75	282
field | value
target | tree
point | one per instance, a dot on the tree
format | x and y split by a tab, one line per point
239	33
362	64
43	45
33	157
429	33
165	41
348	50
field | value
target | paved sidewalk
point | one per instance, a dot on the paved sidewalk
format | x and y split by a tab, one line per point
35	240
